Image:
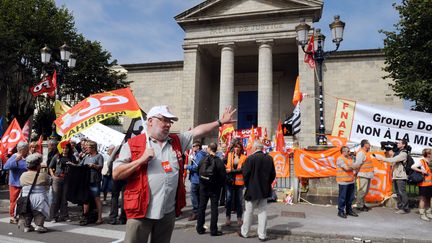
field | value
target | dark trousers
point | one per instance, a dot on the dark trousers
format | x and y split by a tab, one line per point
234	194
59	189
195	197
402	196
205	195
346	197
117	188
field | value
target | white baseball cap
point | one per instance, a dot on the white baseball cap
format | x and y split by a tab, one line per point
162	110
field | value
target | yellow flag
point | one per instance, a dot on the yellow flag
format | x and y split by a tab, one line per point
60	108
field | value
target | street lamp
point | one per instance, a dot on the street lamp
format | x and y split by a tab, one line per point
66	56
319	55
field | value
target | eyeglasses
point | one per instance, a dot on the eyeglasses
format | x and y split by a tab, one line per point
164	120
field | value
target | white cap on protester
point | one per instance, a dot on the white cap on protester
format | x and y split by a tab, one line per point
162	110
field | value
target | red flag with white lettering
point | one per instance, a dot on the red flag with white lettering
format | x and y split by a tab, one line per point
11	138
48	84
308	58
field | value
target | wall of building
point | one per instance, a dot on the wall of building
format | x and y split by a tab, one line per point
358	76
157	84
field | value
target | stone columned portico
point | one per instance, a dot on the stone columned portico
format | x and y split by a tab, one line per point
244	53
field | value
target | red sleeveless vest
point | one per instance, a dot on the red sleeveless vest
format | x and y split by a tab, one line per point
137	192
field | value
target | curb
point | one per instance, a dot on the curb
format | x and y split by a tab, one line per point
302	236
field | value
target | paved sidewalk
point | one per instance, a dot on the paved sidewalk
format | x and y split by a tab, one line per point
317	223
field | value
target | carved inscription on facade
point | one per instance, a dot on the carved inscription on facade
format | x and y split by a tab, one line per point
245	28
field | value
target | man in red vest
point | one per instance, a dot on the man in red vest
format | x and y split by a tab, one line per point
152	164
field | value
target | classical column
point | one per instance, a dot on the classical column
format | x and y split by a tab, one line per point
265	85
226	95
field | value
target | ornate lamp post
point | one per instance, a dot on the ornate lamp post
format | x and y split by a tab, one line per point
319	55
65	57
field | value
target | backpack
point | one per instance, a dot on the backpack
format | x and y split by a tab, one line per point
207	170
407	165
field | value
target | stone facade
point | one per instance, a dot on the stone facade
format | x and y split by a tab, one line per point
249	45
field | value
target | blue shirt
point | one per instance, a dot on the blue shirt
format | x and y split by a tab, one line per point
193	167
15	170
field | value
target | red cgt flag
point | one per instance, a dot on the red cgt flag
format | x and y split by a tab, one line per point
11	138
48	84
310	48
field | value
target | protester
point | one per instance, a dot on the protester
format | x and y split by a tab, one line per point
425	187
210	190
58	169
235	183
94	161
399	175
52	150
16	165
38	197
365	173
155	159
118	187
194	159
33	146
345	178
106	174
258	173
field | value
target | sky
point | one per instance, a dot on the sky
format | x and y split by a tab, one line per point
141	31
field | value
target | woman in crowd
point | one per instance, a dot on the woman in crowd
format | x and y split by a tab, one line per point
235	183
16	165
58	171
33	147
38	197
94	161
425	187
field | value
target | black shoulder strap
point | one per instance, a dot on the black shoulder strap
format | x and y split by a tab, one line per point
34	182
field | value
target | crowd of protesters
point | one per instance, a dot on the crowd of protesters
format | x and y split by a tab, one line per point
222	175
72	175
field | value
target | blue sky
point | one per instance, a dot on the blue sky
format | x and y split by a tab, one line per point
140	31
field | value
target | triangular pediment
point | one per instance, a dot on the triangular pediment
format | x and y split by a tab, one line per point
235	8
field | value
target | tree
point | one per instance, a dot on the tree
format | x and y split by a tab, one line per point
25	27
408	52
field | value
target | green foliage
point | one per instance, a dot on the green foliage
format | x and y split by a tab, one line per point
25	27
43	120
408	52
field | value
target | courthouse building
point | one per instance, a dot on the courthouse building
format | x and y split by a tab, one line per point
244	53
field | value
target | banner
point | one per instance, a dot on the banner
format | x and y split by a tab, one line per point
381	185
245	133
97	108
48	84
313	164
336	141
357	121
11	138
281	163
103	136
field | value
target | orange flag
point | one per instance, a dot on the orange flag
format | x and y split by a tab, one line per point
280	141
298	96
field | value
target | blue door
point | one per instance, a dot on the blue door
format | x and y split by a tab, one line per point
247	109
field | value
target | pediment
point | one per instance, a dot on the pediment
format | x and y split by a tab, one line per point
234	8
